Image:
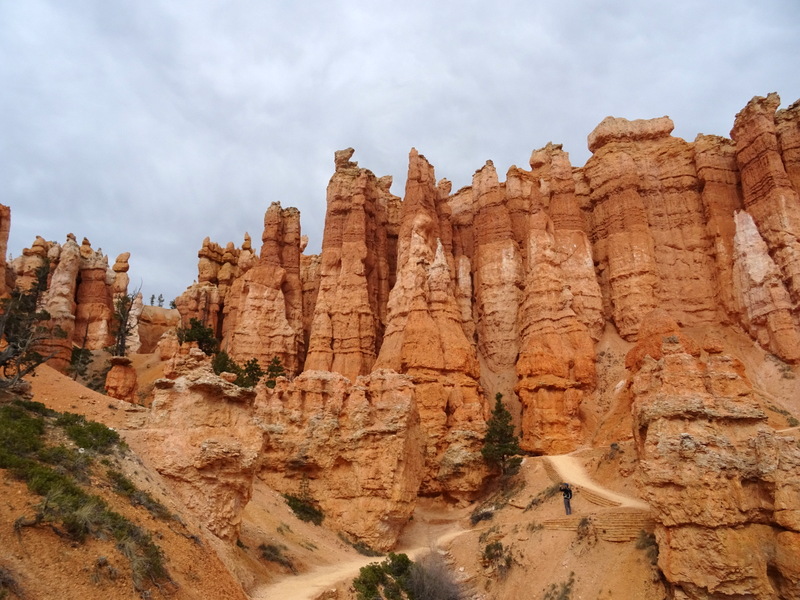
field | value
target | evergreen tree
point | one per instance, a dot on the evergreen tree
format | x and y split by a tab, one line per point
250	374
274	370
197	332
501	444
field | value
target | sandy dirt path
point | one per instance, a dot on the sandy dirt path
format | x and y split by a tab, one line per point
571	470
308	586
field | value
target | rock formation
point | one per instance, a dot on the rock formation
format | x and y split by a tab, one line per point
356	448
80	294
201	437
121	379
263	309
5	227
424	339
769	196
418	311
154	322
727	515
350	309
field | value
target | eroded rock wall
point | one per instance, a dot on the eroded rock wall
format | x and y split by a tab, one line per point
355	448
718	479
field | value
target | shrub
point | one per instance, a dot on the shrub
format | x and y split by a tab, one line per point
481	514
8	583
68	460
125	487
304	509
543	496
64	502
246	376
27	331
647	542
497	556
431	579
274	553
90	435
561	591
388	579
198	332
20	433
360	546
274	370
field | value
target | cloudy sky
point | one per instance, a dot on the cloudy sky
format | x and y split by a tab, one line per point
147	125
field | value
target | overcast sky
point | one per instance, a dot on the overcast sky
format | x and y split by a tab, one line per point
147	125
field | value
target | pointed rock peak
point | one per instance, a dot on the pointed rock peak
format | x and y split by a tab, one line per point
341	158
485	177
247	244
385	183
71	237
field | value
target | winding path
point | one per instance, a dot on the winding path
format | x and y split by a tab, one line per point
309	585
571	470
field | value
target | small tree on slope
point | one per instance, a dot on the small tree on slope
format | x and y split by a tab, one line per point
501	444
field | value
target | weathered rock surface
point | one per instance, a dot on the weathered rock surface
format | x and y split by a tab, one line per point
5	228
121	380
759	291
350	309
263	310
356	448
80	293
713	472
561	310
201	437
425	339
649	232
769	196
154	322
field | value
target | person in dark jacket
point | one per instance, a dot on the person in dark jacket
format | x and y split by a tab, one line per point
566	490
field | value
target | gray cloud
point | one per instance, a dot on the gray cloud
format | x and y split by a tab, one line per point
146	126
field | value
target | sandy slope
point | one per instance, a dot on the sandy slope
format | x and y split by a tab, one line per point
431	527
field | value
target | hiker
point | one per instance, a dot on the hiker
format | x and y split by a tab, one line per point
567	491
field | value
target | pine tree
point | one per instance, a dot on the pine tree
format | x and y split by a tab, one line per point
274	370
501	444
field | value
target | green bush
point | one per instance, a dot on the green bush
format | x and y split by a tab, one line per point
561	591
304	509
90	435
198	332
498	556
20	433
387	580
246	376
274	553
125	487
67	459
64	502
501	444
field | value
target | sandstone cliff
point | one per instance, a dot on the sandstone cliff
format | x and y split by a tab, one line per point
720	481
